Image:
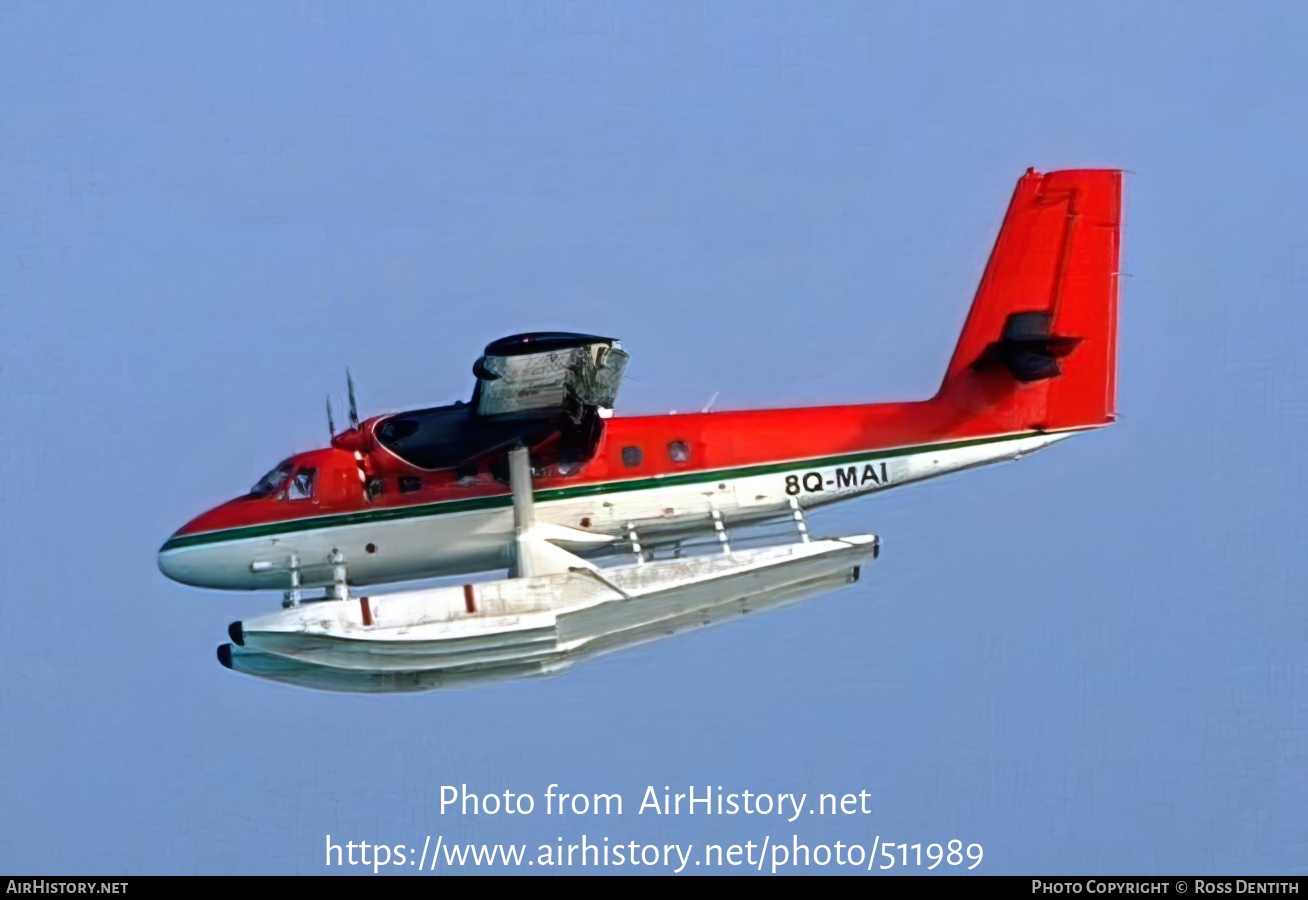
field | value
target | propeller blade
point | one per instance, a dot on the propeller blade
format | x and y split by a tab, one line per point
354	407
331	422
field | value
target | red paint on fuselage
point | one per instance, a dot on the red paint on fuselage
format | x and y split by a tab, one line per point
1057	253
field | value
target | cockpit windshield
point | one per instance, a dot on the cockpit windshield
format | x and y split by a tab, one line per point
273	481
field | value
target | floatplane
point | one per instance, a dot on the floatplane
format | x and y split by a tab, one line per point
616	530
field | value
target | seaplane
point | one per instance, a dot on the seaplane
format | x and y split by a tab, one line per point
614	530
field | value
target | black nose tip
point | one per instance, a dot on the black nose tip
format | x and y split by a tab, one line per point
225	655
236	633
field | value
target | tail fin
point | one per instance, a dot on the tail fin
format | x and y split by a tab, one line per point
1039	348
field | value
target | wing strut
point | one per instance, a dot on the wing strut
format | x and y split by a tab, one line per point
533	550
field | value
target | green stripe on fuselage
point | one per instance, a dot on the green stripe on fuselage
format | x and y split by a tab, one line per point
499	501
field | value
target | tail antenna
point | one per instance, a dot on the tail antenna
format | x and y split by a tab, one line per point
354	407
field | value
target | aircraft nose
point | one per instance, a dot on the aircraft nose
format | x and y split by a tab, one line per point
183	560
186	557
170	561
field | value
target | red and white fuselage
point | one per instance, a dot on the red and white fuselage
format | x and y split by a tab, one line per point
1034	365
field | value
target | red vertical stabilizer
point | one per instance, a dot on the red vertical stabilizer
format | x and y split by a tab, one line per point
1039	349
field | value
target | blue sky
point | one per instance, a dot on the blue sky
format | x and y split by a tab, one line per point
1092	661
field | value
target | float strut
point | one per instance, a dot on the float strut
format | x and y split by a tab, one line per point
635	543
799	519
720	527
292	597
340	589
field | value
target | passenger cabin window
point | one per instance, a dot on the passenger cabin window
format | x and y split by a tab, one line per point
409	483
301	486
679	451
632	457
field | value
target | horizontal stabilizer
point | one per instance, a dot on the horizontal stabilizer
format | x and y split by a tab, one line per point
1028	348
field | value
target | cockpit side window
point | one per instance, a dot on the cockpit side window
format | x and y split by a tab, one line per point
301	486
272	482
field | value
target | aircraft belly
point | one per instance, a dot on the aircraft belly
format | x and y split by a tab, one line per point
666	505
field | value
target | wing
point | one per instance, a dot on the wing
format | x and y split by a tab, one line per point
548	371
